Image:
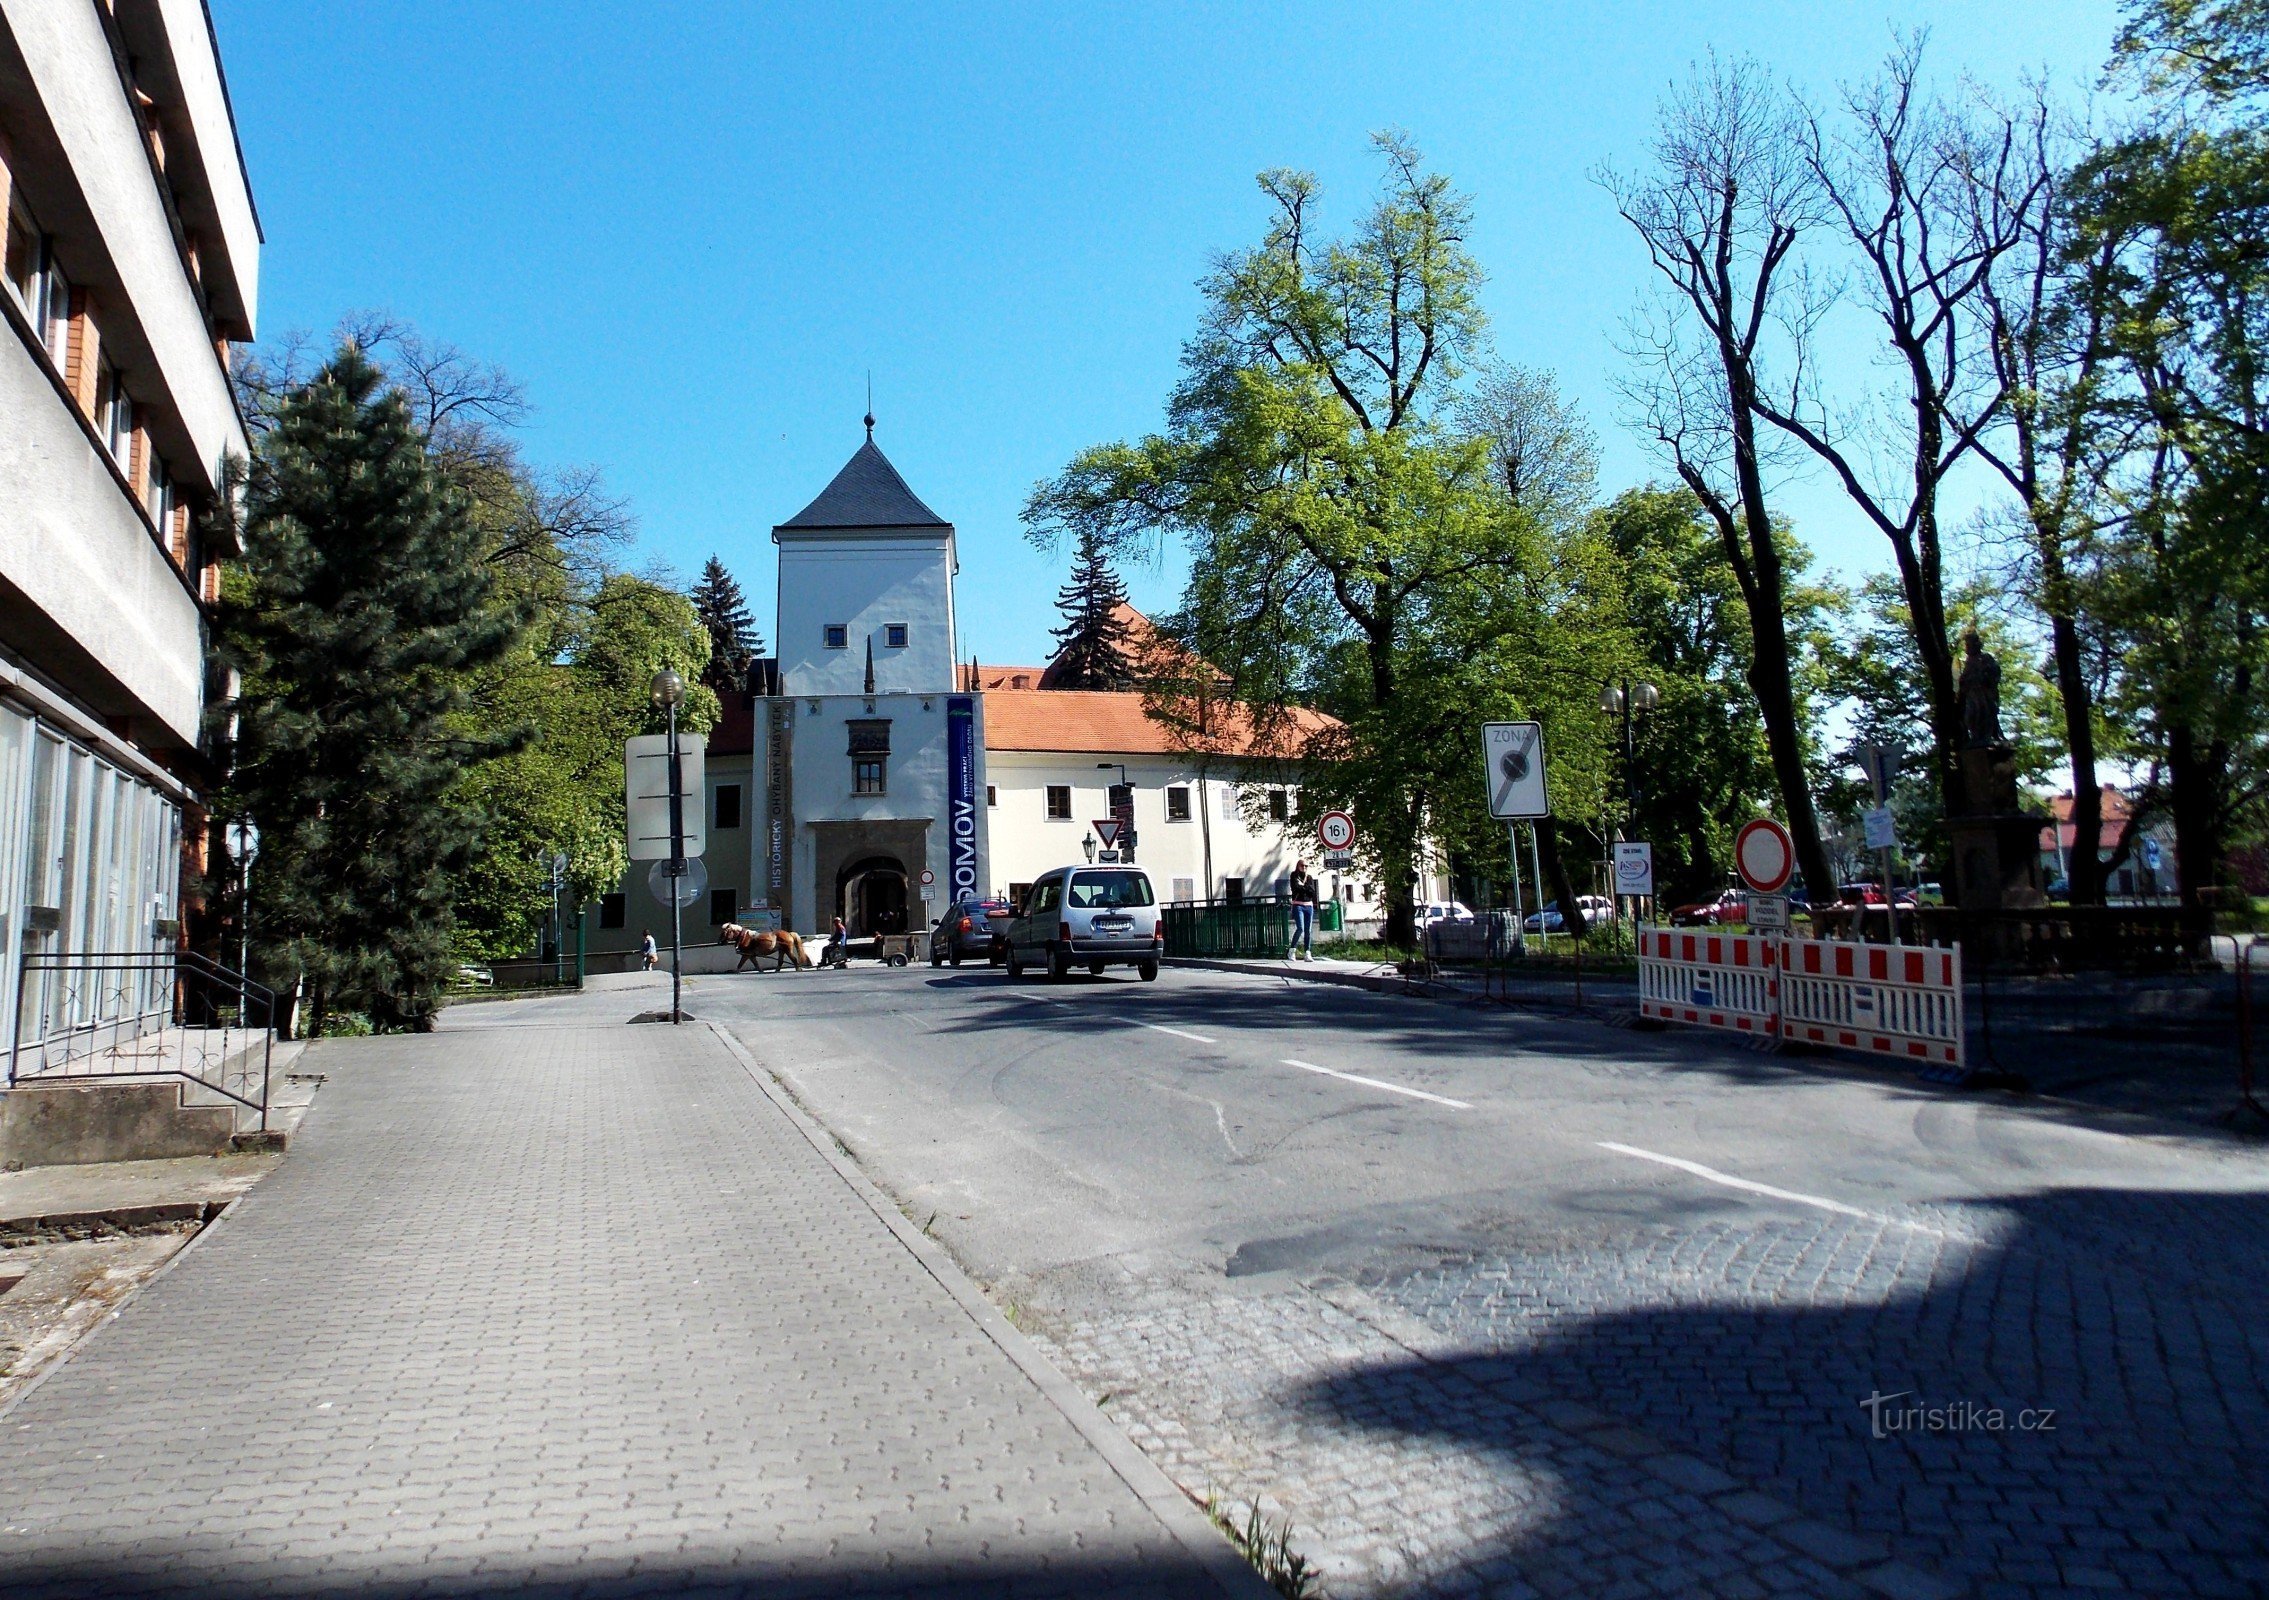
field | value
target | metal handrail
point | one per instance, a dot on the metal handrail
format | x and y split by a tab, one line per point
101	1014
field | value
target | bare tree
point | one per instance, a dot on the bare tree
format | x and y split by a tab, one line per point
1545	456
1896	179
1720	212
2040	313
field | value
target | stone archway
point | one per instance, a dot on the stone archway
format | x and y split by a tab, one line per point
870	895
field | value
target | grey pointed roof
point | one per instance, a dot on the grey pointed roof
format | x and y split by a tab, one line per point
867	493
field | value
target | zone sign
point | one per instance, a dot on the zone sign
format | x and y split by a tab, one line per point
1764	855
1337	831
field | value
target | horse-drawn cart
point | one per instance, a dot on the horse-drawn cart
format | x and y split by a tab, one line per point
891	949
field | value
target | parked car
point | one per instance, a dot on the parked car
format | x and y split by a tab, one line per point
1428	911
1729	906
1552	919
970	930
1095	917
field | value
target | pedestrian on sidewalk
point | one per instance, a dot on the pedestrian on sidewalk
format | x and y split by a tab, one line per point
649	953
1303	913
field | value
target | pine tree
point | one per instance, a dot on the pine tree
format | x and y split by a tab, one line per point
358	616
733	638
1094	648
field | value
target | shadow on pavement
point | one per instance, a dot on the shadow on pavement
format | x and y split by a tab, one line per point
2136	1318
219	1572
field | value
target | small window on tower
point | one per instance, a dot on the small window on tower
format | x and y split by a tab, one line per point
838	635
867	775
894	636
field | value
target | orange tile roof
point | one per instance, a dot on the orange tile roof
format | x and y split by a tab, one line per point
1104	721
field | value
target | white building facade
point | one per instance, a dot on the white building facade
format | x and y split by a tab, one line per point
866	776
131	264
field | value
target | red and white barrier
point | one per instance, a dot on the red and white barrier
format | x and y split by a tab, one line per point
1712	980
1889	999
1894	1000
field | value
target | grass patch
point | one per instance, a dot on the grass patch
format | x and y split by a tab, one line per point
1267	1543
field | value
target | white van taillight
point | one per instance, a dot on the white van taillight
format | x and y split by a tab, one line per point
1158	933
1063	932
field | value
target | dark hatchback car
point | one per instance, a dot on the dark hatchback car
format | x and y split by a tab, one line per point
967	932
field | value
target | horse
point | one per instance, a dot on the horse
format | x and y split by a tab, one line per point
756	943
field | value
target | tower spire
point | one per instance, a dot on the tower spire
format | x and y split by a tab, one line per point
870	664
870	419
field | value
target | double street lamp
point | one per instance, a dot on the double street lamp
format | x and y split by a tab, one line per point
1628	700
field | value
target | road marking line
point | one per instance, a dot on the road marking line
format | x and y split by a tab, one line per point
1160	1027
1374	1083
1753	1187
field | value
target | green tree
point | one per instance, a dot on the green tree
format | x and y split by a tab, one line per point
723	609
1092	646
1326	504
2177	211
1702	764
359	612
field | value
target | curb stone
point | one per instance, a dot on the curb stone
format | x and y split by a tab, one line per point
1182	1518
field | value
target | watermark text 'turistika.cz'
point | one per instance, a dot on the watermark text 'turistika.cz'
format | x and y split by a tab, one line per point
1903	1412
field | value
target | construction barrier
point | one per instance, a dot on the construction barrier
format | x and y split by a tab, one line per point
1888	999
1713	980
1894	1000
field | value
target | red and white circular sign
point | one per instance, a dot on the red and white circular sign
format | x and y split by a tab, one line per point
1337	830
1764	855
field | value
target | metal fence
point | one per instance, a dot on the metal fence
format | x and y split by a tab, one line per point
139	1014
1260	928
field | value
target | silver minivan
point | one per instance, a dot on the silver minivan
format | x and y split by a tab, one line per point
1092	917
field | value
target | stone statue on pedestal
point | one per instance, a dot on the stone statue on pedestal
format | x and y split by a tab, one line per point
1980	693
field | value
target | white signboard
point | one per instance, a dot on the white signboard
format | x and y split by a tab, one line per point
1768	913
1882	832
1512	765
1634	868
646	777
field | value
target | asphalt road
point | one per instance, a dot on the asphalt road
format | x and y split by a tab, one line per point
1346	1253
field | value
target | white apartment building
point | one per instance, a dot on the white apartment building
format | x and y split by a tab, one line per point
131	264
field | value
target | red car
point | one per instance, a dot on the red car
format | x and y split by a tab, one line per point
1727	907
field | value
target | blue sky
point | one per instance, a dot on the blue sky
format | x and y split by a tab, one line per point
692	230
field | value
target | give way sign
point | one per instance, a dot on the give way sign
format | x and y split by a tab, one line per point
1764	855
1106	832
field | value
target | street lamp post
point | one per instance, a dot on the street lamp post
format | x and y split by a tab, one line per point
669	693
244	844
1628	701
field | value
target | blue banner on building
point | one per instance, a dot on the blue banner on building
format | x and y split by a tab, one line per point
961	795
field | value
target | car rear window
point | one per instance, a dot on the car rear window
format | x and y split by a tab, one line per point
1107	890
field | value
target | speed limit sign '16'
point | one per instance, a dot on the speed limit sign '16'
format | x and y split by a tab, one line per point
1764	855
1337	830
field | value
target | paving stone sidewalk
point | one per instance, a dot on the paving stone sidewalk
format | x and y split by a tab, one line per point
572	1309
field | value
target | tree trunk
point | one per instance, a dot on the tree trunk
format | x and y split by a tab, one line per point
1556	874
2084	877
1769	677
2191	790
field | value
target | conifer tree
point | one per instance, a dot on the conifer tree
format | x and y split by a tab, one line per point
1094	650
358	615
723	610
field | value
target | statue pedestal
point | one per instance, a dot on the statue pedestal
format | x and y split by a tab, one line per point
1997	856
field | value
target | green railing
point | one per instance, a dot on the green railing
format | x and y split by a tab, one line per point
1261	928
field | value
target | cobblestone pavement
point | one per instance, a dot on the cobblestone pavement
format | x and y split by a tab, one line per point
1679	1411
569	1309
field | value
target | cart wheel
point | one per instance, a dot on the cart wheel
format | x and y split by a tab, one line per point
898	961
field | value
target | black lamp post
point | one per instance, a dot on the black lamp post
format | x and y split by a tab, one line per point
669	693
1628	701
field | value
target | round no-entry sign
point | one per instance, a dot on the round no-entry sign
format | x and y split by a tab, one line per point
1764	855
1337	830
